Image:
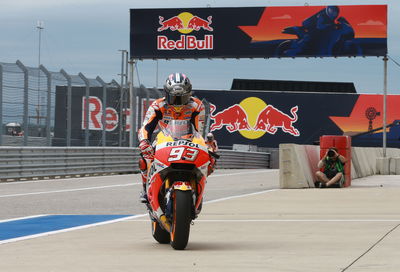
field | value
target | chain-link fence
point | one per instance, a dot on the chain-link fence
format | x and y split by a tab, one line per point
44	108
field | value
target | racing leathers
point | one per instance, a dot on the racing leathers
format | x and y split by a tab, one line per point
160	113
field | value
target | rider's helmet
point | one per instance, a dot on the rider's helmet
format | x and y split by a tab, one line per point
178	89
210	137
332	12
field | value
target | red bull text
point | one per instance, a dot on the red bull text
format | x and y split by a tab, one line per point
185	23
185	42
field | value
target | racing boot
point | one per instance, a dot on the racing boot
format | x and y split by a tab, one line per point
143	172
211	166
143	196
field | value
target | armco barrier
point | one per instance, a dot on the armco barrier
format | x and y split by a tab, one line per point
243	160
31	162
39	162
298	164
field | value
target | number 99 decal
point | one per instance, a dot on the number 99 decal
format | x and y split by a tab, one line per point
182	153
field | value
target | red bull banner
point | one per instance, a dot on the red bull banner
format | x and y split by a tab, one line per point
267	119
96	116
261	118
298	31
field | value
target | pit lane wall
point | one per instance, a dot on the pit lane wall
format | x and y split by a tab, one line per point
298	164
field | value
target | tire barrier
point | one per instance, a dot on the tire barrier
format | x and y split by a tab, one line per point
298	164
18	163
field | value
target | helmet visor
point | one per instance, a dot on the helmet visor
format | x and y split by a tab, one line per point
178	99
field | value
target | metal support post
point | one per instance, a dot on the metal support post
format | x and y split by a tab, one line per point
121	100
126	71
125	88
103	116
385	61
86	110
69	105
1	105
132	105
146	91
25	117
48	114
115	84
40	27
156	73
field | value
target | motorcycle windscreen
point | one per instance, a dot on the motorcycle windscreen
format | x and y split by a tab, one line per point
179	129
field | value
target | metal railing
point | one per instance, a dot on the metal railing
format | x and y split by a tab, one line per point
18	163
28	106
243	159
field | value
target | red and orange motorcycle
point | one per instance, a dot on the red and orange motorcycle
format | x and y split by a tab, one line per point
176	181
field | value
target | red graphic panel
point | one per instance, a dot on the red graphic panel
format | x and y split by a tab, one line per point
369	21
367	113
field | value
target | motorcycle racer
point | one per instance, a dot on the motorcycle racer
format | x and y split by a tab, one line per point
177	104
211	142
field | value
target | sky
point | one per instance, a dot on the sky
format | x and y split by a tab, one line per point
85	36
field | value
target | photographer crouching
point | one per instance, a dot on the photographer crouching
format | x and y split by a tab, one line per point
333	169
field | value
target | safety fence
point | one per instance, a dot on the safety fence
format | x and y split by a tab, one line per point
31	99
18	163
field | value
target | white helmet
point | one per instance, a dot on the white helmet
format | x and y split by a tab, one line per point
178	89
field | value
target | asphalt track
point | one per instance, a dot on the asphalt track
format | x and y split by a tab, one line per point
248	224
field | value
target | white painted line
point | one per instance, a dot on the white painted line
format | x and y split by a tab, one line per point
128	218
287	220
238	196
22	218
72	190
111	186
299	220
243	173
82	179
67	230
219	199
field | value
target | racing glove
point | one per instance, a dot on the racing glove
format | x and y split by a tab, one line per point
147	149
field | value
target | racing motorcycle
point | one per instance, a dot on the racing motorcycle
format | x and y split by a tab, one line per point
176	181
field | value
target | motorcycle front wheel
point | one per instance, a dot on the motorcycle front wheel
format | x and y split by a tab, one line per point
182	216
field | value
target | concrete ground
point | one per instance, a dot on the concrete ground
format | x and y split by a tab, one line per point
351	229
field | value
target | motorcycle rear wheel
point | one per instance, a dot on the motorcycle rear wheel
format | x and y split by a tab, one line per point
181	219
159	234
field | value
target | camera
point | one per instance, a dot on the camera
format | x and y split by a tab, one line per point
331	153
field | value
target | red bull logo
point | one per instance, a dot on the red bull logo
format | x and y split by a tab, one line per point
185	23
270	119
234	118
252	118
173	24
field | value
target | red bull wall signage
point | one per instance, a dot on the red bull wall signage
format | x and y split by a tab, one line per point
252	118
268	119
261	118
96	115
298	31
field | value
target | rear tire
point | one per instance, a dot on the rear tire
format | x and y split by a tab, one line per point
159	234
182	218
